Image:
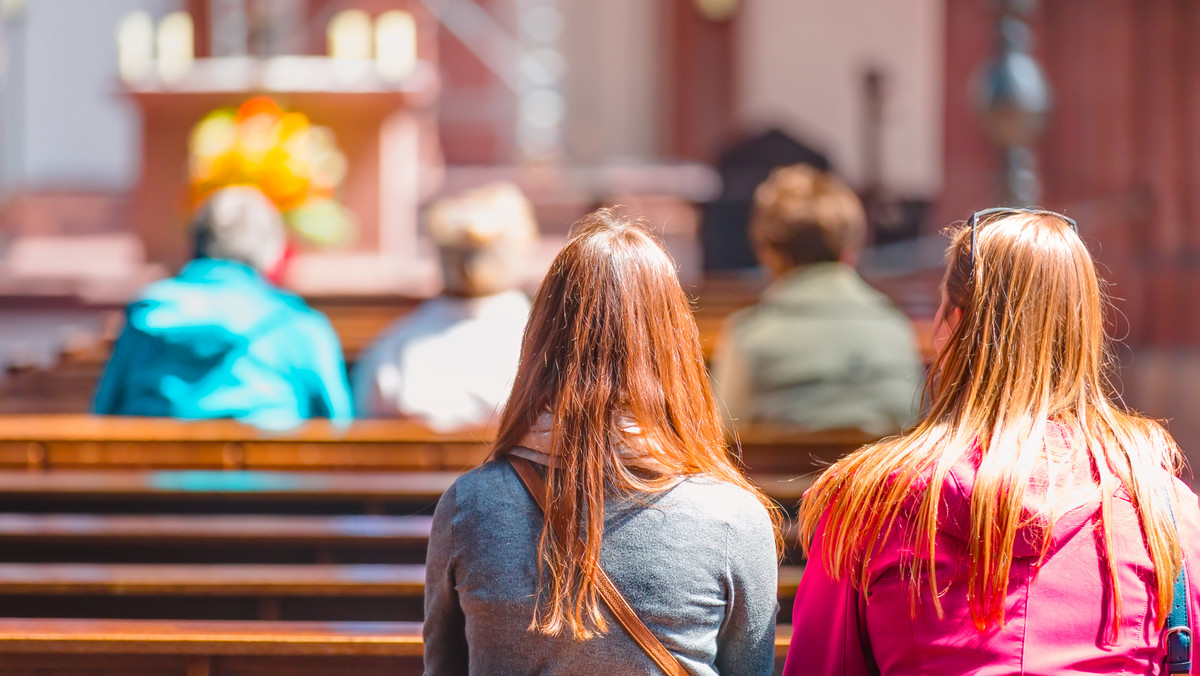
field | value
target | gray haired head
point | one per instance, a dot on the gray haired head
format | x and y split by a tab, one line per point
240	224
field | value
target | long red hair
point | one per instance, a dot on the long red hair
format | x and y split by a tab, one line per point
610	334
1030	348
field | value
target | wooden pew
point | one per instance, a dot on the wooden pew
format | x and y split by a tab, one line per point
83	441
781	450
267	581
212	538
270	580
216	530
70	441
256	492
228	492
392	592
216	648
210	648
68	386
215	591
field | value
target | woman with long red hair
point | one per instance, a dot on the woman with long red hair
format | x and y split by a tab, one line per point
1027	524
610	532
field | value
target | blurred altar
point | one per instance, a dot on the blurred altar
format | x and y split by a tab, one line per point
351	115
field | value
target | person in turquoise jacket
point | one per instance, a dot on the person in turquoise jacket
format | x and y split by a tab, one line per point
219	340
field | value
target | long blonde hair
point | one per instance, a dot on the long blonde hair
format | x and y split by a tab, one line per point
1029	348
610	335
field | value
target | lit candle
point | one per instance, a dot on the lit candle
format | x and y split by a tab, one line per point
395	44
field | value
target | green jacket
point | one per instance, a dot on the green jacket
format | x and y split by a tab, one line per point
821	350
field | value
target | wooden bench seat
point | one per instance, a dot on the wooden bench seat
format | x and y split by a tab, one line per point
267	580
95	442
209	637
321	592
87	441
242	486
167	490
220	538
214	648
69	647
234	592
271	580
226	530
213	538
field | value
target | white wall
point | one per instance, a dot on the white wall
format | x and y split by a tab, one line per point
11	68
62	110
801	67
612	81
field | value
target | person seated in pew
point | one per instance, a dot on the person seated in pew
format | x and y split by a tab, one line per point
822	349
612	426
1028	523
451	362
218	340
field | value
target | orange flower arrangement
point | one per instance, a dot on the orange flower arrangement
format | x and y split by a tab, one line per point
295	163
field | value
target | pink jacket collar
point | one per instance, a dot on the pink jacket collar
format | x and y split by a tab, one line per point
955	510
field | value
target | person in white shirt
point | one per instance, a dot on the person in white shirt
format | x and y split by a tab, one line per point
452	361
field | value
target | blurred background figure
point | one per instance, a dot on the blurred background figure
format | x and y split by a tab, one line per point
452	361
822	349
220	341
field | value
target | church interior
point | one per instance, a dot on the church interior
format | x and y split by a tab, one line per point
152	545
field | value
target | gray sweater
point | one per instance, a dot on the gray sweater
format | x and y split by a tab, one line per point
696	562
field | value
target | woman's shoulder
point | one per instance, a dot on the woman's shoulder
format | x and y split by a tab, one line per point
718	500
1189	506
493	472
492	482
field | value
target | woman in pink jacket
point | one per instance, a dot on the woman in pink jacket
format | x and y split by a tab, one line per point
1026	525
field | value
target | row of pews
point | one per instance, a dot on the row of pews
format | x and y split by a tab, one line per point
139	546
68	386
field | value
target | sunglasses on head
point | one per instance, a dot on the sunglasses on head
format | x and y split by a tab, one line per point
980	216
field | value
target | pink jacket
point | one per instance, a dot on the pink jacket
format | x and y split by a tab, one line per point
1056	615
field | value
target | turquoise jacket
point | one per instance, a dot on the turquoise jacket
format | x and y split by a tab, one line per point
219	341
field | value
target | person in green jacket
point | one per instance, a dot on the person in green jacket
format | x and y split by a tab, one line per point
219	340
822	349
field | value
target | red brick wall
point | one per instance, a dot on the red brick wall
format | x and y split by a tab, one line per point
1122	150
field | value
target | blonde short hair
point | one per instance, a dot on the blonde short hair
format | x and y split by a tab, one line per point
484	236
807	216
481	217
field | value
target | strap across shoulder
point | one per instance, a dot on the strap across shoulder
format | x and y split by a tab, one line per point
609	593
